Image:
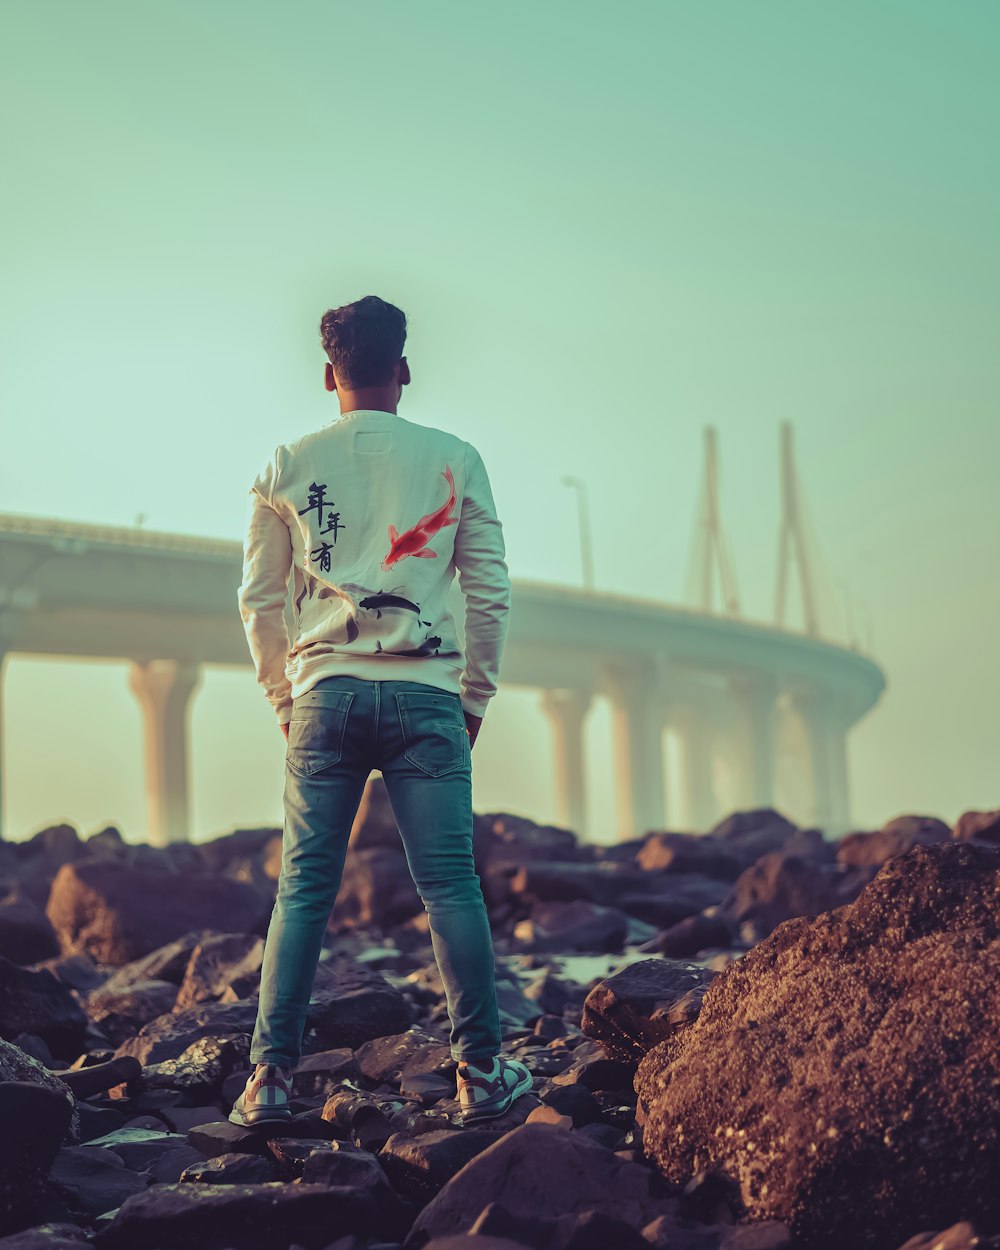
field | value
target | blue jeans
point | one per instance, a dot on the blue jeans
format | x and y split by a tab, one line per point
416	736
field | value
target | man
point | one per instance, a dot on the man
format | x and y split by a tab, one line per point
373	514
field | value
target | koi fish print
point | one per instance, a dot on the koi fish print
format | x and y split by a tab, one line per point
413	542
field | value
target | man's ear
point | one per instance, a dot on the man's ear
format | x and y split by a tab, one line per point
404	371
328	379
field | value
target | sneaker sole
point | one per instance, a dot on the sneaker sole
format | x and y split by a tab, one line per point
494	1110
248	1119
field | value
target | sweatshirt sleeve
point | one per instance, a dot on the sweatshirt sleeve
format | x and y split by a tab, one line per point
484	581
267	563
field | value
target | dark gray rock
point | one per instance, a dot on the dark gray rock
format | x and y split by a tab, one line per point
90	1179
271	1215
36	1002
25	932
645	1002
539	1171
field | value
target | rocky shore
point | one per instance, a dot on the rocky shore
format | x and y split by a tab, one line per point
747	1040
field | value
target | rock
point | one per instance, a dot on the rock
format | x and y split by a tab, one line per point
376	889
95	1078
199	1070
121	1013
668	900
117	913
538	1172
586	1230
574	1101
755	832
419	1166
269	1216
232	1169
697	933
90	1179
219	854
385	1059
167	963
573	926
688	853
350	1006
223	1137
643	1003
25	933
896	837
375	822
169	1035
95	1121
978	826
76	972
173	1162
358	1115
860	1102
37	1118
319	1074
36	1002
137	1147
217	960
38	1114
962	1236
501	836
779	886
48	1236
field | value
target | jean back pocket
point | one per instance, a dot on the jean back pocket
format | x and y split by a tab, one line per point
316	730
435	738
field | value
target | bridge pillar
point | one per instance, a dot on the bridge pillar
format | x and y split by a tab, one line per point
637	740
164	689
826	741
757	697
695	733
566	710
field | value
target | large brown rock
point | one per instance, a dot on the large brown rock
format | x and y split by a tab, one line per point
844	1076
117	913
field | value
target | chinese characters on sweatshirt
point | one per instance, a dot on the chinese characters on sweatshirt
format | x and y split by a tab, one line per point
372	515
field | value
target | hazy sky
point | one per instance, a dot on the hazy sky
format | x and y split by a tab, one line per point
608	226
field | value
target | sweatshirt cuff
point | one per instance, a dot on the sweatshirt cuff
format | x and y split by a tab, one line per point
475	705
284	713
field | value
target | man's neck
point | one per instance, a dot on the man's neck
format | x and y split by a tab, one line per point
371	400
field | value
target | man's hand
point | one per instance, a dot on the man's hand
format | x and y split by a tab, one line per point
284	729
472	724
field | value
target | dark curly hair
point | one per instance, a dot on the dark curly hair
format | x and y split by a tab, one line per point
364	341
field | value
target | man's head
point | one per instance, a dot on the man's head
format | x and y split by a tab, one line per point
364	343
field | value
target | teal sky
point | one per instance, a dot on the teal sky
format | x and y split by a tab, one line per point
608	226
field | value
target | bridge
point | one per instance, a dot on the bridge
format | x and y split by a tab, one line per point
727	689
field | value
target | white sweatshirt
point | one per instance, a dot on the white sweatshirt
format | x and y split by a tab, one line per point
374	514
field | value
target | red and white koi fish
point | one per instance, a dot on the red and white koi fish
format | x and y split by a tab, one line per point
413	542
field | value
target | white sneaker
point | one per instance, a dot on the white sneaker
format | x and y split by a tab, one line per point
265	1098
487	1089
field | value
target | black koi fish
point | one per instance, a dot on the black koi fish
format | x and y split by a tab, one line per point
377	602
